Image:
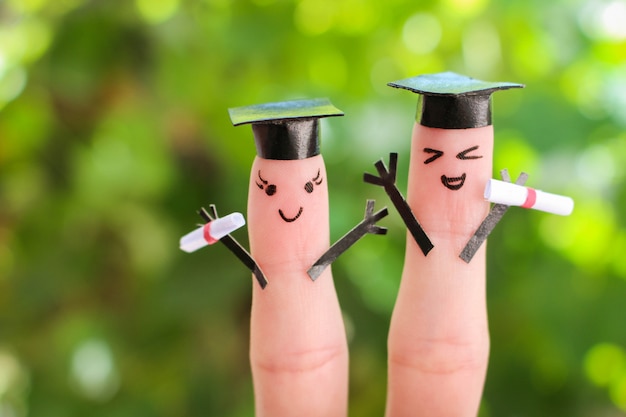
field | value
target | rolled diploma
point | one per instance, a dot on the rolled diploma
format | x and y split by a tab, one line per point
211	232
516	195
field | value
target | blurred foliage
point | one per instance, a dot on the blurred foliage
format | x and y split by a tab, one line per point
113	130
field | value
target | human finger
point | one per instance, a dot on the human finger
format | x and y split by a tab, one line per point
298	348
438	341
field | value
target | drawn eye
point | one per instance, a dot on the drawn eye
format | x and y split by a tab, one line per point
463	155
437	154
308	187
270	189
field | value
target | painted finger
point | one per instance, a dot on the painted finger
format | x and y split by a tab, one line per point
298	348
438	341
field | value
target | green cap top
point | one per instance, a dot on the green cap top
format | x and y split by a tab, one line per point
452	101
285	130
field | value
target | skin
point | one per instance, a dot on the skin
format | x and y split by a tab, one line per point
298	347
438	340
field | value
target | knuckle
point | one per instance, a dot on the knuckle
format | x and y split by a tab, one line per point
299	362
442	357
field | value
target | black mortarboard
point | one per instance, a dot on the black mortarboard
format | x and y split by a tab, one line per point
285	130
452	101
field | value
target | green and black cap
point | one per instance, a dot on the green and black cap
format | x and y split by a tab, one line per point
452	101
285	130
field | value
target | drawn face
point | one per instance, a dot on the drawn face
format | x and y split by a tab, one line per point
453	183
288	213
271	189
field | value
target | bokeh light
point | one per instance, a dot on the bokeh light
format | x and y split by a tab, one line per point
93	370
604	19
114	130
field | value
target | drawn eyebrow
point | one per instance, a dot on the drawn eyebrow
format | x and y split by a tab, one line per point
463	154
317	180
262	180
436	155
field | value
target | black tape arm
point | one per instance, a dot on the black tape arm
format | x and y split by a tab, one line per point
489	223
236	248
367	225
387	180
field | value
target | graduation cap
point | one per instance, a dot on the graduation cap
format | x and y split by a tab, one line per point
452	101
285	130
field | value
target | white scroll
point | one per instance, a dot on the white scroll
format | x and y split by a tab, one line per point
211	232
516	195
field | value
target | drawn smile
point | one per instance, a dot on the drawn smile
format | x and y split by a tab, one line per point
290	219
453	183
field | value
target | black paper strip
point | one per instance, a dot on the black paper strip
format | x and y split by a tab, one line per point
285	130
454	111
367	225
452	101
236	248
387	180
489	223
295	139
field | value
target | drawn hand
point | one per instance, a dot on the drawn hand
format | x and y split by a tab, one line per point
368	225
235	247
387	180
489	223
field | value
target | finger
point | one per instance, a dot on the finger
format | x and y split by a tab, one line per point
438	341
382	170
298	348
372	179
393	164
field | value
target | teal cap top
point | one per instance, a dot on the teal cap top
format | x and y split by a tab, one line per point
285	130
453	101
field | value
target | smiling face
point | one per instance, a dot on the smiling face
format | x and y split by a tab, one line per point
448	173
289	198
270	189
450	182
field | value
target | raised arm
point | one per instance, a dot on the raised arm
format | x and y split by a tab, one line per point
387	180
236	248
489	223
368	225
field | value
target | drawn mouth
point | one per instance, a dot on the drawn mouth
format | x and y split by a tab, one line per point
290	219
453	183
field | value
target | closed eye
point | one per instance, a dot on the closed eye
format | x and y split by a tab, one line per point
463	155
436	155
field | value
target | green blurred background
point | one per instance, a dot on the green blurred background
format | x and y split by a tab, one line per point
114	130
